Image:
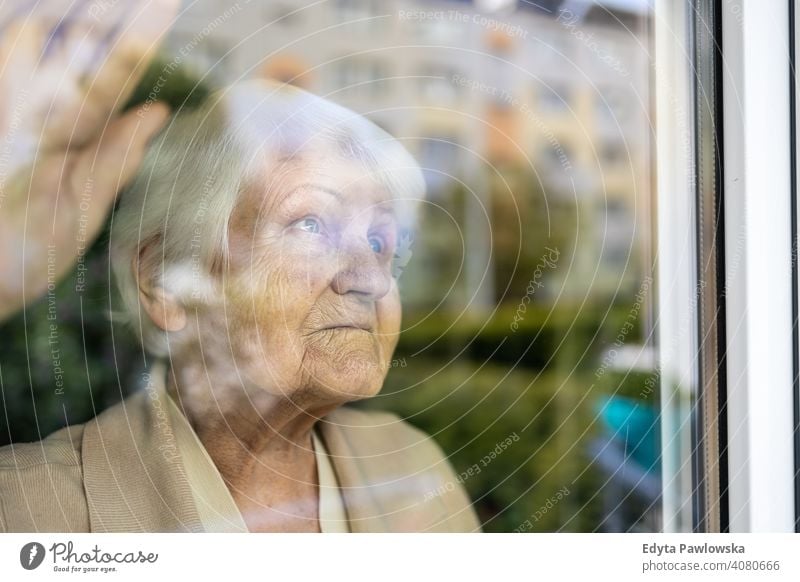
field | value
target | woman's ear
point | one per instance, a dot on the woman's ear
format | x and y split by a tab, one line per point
163	307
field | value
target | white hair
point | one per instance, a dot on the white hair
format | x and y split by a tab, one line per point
177	211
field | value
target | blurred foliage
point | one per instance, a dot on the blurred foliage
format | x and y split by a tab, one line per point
96	364
476	384
525	221
470	407
170	84
523	226
540	333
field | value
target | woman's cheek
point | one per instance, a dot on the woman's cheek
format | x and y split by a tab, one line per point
390	315
306	258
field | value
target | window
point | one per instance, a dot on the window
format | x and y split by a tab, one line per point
436	83
439	158
529	290
554	99
360	78
600	297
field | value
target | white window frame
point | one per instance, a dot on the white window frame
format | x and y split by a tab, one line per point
758	243
758	286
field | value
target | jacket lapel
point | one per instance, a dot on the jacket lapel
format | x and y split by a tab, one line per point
135	479
133	474
383	485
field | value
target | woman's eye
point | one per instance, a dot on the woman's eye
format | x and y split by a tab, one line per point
311	225
376	244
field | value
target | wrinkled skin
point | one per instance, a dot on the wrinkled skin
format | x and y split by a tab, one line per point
318	294
308	319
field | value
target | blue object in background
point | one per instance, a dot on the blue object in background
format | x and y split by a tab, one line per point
636	426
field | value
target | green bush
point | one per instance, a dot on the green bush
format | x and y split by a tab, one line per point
469	408
544	335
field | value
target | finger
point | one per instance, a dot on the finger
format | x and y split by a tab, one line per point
106	166
130	49
29	90
107	53
62	28
15	11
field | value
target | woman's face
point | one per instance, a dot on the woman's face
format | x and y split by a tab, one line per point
311	303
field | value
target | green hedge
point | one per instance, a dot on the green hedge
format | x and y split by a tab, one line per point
543	336
468	409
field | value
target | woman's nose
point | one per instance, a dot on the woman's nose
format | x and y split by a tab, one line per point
361	271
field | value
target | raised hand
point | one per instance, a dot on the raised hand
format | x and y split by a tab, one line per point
65	150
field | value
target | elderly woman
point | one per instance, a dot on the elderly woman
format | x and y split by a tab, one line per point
254	254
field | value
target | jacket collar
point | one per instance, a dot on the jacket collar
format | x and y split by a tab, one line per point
135	479
383	482
133	473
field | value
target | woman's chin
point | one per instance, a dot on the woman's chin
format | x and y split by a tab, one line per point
354	380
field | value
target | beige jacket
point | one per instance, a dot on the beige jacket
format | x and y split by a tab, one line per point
123	471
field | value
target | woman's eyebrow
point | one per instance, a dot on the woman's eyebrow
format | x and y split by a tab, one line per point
312	186
306	188
381	208
388	210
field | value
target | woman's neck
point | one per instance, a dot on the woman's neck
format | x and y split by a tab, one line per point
260	442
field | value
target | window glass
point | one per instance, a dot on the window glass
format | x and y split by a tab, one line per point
528	345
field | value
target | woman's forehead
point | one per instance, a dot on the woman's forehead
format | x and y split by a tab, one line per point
349	181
